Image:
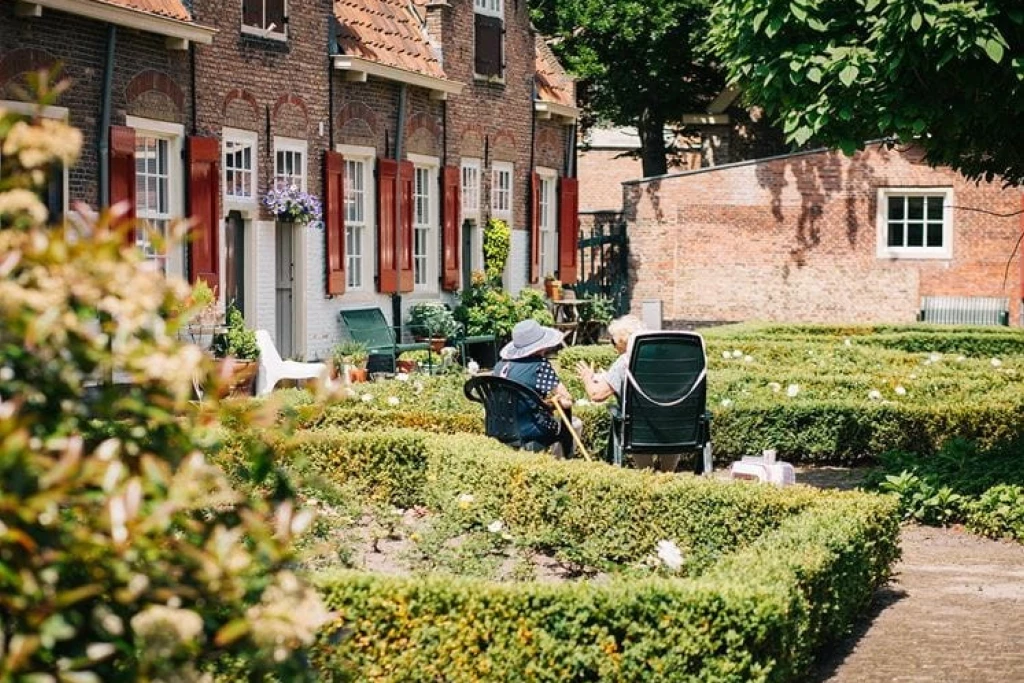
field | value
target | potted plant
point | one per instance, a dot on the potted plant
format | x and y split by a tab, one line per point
289	204
202	315
552	287
433	321
237	345
410	361
350	357
594	318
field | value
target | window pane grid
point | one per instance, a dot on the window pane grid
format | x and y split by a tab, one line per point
501	192
289	169
355	221
546	225
152	182
915	221
238	171
421	225
470	191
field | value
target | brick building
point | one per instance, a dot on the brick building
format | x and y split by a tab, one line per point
404	118
820	237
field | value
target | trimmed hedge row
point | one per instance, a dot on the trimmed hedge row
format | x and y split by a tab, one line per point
805	563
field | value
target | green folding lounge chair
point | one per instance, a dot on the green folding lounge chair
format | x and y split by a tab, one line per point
663	406
368	325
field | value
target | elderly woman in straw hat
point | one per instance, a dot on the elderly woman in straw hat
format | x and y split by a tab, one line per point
523	361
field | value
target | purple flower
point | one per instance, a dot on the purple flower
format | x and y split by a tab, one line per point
289	204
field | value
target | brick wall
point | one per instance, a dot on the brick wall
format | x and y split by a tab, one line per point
795	239
148	79
601	173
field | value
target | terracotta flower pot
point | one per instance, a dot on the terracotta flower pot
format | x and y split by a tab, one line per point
242	380
553	291
406	366
357	375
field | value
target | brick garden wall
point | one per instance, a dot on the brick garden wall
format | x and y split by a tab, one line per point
795	238
601	173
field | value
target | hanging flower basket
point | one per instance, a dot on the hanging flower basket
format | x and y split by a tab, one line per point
289	204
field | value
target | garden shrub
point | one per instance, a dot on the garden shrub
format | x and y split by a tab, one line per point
124	554
758	615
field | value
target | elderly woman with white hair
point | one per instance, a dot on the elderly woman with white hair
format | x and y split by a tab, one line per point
600	386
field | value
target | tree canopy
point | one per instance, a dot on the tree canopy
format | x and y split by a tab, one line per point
947	75
640	62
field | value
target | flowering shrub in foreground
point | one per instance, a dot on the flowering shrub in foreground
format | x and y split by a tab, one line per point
125	555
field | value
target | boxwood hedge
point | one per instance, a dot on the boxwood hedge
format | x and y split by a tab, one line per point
786	571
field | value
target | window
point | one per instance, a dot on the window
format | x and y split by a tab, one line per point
355	221
501	190
470	190
152	193
239	171
290	163
264	18
421	225
547	223
914	223
489	37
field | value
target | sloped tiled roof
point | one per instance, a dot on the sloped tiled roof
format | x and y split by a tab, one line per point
553	84
172	9
386	32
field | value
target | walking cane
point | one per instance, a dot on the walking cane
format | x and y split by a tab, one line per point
568	425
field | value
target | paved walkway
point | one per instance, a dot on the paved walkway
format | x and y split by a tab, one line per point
953	614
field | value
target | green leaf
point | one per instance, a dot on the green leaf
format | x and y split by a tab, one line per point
759	19
848	75
919	126
994	50
814	74
871	5
802	135
799	12
915	21
848	147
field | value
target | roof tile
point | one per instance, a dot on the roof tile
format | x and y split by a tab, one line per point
553	83
386	32
173	9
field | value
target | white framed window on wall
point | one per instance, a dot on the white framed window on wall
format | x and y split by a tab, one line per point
547	221
290	163
915	222
489	39
159	183
55	193
470	191
501	190
359	216
265	18
424	222
239	148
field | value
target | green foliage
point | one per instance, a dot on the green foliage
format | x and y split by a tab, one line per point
238	341
486	308
935	74
432	319
124	554
640	63
350	352
497	246
998	513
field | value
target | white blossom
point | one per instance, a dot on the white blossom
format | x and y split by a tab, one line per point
900	390
726	402
934	356
874	394
775	387
496	526
726	355
748	359
847	342
402	377
961	359
393	400
366	398
670	554
792	390
736	353
996	362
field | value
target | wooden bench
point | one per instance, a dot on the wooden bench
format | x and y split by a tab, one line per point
368	325
965	310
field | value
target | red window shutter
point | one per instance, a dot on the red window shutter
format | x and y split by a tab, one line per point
387	183
405	180
122	173
334	214
451	237
568	230
534	227
203	156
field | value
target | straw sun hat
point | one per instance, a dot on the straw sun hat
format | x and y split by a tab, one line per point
529	337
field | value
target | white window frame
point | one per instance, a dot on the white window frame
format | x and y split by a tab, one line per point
174	134
367	157
923	252
48	112
245	205
429	228
490	8
291	145
548	220
498	210
471	210
279	32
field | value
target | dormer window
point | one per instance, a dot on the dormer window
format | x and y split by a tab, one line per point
264	18
489	28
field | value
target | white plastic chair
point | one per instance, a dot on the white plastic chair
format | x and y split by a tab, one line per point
273	369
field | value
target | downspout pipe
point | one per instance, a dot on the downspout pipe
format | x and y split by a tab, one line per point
103	133
530	189
396	297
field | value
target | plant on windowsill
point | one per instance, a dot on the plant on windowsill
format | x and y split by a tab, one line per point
433	321
289	204
237	345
